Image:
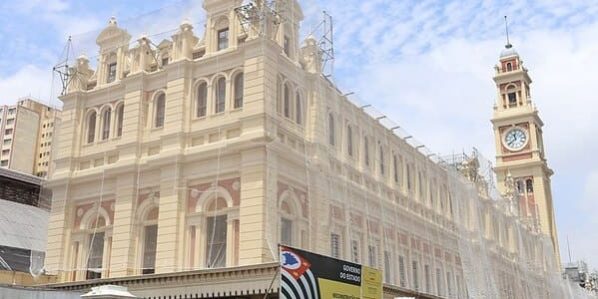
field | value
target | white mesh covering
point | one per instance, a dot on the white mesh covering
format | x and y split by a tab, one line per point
371	194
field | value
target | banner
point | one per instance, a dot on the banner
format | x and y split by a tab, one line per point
306	275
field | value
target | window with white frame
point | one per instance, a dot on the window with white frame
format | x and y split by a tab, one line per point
220	95
238	93
96	256
216	234
201	105
439	282
119	119
287	101
402	272
350	140
106	123
428	279
159	108
355	255
286	231
91	127
223	38
298	109
95	243
149	239
373	256
335	245
150	243
387	267
111	73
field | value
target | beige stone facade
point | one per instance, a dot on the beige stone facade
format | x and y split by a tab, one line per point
208	152
26	133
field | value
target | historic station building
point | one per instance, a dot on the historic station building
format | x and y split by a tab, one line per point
180	168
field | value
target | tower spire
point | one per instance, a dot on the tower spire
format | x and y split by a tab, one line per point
508	45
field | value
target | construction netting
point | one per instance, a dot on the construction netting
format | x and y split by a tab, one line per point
333	174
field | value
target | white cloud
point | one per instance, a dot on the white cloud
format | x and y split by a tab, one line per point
28	81
433	75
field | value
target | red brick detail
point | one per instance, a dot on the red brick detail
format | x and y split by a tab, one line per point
301	196
195	192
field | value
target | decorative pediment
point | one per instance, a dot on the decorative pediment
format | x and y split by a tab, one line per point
112	36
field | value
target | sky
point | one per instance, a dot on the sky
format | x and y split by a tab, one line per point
427	64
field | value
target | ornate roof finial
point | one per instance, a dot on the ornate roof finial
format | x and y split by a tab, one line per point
112	21
508	45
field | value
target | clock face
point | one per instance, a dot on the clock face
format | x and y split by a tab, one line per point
515	139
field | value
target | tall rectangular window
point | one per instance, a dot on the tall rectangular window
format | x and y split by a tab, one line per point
216	242
111	73
220	95
373	256
286	231
387	267
335	248
355	251
402	272
415	275
512	99
149	248
287	46
428	281
439	284
96	256
449	284
222	39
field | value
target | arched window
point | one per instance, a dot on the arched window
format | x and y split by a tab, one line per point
106	124
159	107
202	100
331	130
286	223
238	84
91	127
216	233
382	170
509	67
350	141
298	109
287	101
119	119
95	258
220	95
149	240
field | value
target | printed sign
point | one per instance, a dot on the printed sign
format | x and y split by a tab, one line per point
306	275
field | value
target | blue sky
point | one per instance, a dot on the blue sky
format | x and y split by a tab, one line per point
427	64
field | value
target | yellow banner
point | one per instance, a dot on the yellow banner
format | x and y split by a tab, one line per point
371	283
338	290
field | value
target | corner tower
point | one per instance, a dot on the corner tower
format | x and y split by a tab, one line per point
520	153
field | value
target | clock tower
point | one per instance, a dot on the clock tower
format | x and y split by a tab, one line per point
520	154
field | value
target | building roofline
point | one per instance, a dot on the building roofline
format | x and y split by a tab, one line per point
20	176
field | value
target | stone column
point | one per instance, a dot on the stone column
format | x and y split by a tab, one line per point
122	262
253	247
170	239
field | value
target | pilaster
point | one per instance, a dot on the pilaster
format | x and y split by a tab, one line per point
122	262
170	238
